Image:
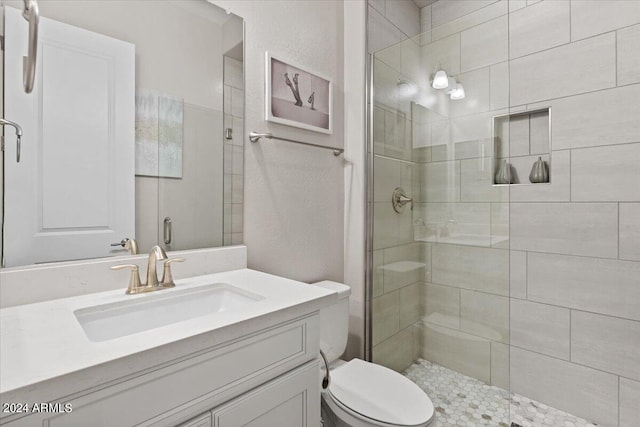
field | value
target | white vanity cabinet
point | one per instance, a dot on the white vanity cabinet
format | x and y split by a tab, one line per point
290	400
266	378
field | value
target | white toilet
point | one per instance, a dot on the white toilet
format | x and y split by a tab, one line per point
363	394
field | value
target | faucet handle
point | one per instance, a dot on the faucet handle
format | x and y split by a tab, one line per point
167	277
135	285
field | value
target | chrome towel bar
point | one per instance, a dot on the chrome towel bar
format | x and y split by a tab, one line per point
255	137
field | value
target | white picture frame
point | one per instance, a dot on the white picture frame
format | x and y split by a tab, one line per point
297	97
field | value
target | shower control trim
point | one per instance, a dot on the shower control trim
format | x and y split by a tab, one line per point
399	200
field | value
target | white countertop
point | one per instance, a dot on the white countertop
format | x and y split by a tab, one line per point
42	344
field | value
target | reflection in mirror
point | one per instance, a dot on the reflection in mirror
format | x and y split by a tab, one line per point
133	130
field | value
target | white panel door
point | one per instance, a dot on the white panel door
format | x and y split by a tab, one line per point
73	192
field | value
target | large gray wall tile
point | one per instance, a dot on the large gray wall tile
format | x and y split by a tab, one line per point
477	86
500	225
591	17
500	365
465	353
567	228
386	316
453	219
485	315
606	343
476	182
629	398
447	11
425	19
563	385
599	118
469	267
385	225
444	182
598	285
516	140
378	284
628	58
410	304
396	352
405	15
386	177
570	69
630	231
485	44
610	173
499	85
538	27
540	133
558	190
541	328
470	128
444	53
378	5
441	305
404	265
518	274
469	20
385	33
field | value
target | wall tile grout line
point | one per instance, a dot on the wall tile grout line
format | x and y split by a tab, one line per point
570	361
616	259
618	235
619	400
570	334
595	313
615	65
526	275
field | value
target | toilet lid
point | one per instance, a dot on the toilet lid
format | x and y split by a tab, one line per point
379	393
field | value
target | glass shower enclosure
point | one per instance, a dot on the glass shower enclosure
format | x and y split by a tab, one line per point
439	253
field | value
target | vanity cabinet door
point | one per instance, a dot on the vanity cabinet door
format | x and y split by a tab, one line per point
203	420
292	400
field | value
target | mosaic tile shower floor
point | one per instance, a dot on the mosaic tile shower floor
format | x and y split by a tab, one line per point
464	401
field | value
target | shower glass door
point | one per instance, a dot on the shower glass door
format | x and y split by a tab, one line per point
439	295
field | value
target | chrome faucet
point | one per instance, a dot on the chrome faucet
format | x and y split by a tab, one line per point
156	254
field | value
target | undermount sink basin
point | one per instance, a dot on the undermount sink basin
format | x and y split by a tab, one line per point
122	318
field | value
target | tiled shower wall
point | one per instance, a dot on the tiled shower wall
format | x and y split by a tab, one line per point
573	267
233	151
575	244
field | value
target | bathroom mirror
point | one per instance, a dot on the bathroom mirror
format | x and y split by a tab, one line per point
133	129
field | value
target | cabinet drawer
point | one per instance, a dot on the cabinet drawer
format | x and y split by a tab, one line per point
292	400
190	386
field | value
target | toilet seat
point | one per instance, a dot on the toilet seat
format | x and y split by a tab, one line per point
379	395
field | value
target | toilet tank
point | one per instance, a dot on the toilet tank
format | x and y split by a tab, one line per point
334	321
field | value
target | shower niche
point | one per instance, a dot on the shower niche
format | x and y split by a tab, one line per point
522	148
